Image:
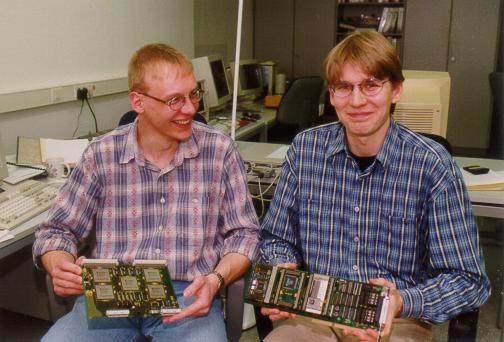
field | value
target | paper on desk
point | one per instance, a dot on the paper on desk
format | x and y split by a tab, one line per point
70	150
18	174
493	180
279	153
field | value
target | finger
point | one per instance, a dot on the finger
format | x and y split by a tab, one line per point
269	311
69	267
290	265
66	284
65	292
79	260
194	287
66	276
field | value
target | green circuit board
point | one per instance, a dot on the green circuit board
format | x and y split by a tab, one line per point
117	290
340	302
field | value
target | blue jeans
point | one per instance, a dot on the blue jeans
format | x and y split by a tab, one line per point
75	326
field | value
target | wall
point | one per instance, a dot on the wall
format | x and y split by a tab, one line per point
53	43
215	28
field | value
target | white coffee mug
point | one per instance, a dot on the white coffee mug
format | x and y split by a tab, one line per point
57	168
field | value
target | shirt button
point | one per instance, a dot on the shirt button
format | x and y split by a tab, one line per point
160	228
157	251
162	200
356	209
356	239
355	267
195	200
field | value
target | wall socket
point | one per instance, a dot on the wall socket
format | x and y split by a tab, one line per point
91	87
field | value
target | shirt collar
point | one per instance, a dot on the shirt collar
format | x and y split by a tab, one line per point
187	149
388	148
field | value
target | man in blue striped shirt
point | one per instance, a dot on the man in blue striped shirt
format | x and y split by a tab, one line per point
366	199
164	188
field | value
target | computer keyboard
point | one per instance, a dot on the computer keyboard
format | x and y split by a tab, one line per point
24	201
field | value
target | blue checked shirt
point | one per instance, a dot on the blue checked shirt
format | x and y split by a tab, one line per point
407	218
190	214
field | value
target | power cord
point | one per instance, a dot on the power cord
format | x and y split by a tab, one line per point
83	95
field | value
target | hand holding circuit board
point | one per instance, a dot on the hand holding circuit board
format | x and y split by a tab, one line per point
142	289
347	304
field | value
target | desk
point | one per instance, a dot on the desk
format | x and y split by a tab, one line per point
485	203
261	126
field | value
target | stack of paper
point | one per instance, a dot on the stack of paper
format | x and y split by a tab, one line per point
491	181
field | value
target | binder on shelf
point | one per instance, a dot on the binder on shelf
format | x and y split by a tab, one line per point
34	151
400	19
388	20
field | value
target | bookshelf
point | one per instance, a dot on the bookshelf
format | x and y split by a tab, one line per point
384	16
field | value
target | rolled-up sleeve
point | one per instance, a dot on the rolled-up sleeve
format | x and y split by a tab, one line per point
238	220
71	217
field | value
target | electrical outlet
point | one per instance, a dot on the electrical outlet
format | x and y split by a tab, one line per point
91	87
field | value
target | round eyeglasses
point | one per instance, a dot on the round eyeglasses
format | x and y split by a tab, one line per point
177	102
367	87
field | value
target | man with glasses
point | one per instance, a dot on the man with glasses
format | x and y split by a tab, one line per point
165	188
368	200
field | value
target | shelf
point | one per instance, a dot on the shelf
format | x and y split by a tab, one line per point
393	35
377	4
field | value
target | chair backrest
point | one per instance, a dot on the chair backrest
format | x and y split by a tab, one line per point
130	116
440	140
300	104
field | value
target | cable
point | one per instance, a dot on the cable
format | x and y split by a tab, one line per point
78	119
93	114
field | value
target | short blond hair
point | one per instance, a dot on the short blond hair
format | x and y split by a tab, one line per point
369	50
154	54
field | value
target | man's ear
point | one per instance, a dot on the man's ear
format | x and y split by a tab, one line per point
397	92
136	102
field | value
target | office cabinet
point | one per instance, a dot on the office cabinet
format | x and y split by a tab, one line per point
459	37
385	16
297	34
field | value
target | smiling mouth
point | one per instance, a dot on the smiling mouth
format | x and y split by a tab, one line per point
182	122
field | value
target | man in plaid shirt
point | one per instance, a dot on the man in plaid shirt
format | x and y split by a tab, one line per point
366	199
163	187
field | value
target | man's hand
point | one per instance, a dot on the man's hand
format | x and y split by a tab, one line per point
204	288
394	310
275	314
65	273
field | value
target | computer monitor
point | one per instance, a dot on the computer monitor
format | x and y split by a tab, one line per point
203	103
250	85
212	70
424	105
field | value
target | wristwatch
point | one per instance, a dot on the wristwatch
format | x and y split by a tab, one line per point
220	279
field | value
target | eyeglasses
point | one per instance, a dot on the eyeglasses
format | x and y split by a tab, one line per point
177	102
368	87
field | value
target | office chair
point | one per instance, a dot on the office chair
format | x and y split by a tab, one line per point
496	139
130	116
298	108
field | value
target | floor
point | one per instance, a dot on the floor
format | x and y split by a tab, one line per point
20	328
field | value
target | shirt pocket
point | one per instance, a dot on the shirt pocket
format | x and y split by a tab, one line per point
191	224
398	247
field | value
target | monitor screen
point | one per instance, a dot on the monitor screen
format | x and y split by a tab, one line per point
250	78
219	76
211	69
